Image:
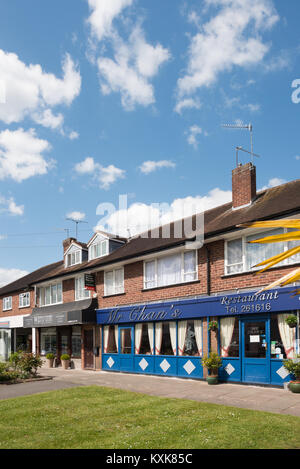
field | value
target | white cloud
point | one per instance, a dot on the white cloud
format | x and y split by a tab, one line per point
231	38
150	166
73	135
29	91
297	157
140	217
21	155
273	182
187	103
192	134
135	61
78	216
9	206
103	14
10	275
105	176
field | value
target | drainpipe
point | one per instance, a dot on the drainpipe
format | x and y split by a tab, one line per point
208	290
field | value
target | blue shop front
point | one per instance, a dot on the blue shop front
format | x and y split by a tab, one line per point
167	338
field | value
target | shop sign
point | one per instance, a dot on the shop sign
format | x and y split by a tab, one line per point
89	282
4	325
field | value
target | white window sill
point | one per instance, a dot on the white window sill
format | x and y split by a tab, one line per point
26	306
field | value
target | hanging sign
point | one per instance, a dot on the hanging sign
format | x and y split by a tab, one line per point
89	282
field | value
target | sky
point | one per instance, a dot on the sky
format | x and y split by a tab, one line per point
112	112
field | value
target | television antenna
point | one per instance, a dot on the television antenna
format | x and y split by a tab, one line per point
246	151
248	127
76	223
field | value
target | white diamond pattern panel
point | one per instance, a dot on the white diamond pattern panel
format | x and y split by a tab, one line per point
229	369
165	365
282	372
143	364
110	362
189	367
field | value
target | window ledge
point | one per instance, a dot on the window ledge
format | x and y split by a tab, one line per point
22	307
170	286
113	294
256	271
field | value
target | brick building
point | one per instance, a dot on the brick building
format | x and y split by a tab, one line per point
144	304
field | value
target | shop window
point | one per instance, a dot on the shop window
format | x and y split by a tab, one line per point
144	339
110	339
165	338
283	338
229	337
80	292
190	338
125	341
48	341
255	339
64	344
76	341
5	344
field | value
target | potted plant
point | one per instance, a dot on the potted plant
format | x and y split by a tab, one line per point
50	359
65	359
212	362
213	326
291	320
293	366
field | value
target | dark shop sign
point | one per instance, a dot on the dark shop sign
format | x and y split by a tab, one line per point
281	299
89	282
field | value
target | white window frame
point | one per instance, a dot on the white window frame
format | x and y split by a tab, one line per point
7	299
76	261
78	293
288	261
101	243
183	273
115	291
43	289
22	302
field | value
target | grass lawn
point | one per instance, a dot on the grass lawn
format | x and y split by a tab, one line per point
99	417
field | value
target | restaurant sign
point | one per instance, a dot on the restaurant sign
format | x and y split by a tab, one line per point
226	305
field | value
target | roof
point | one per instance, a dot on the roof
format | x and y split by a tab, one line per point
271	203
29	279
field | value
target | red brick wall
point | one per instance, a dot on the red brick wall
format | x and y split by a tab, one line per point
243	185
16	311
69	290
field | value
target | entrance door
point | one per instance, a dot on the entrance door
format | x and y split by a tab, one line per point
126	342
88	343
255	356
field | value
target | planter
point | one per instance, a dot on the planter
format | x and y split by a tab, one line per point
50	362
212	379
294	386
65	364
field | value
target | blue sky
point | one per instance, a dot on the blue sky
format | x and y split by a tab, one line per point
101	98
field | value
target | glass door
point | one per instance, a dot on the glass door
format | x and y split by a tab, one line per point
126	350
256	353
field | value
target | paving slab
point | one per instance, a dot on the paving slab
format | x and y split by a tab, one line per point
277	400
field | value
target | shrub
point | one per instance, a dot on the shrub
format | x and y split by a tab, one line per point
50	356
293	367
212	362
213	326
65	356
6	374
26	364
291	320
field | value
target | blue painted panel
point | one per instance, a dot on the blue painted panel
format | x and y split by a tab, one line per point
231	370
276	365
165	365
144	364
256	371
110	362
189	367
126	363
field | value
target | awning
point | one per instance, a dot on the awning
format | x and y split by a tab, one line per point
66	314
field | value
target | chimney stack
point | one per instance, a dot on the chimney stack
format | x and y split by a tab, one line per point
67	242
243	185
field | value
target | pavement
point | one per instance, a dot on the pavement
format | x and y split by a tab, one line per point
276	400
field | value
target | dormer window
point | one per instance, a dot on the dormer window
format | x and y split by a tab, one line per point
98	249
75	254
74	258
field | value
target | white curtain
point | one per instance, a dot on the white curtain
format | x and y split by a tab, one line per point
138	337
287	335
190	267
226	331
116	336
150	336
172	329
158	337
182	325
256	252
169	270
198	334
105	338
